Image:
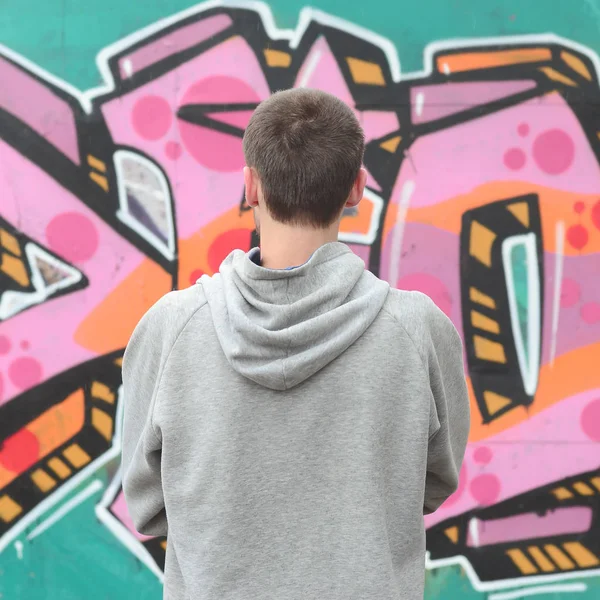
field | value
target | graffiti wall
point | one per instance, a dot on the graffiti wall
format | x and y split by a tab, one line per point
483	192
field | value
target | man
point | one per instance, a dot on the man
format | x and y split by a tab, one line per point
289	420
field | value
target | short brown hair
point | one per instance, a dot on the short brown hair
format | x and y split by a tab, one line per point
307	148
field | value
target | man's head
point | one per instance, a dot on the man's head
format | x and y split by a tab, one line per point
304	150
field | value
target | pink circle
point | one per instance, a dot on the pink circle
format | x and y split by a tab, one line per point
570	292
523	129
462	484
4	345
590	312
151	117
431	286
485	488
590	420
72	236
25	345
483	455
554	151
25	372
213	149
514	159
173	150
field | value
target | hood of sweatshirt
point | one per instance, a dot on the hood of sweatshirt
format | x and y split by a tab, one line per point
280	327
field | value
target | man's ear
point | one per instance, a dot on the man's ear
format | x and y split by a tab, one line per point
358	189
251	185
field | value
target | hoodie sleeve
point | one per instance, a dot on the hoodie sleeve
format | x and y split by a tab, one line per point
451	419
143	366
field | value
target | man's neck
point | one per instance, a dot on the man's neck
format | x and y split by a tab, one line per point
286	246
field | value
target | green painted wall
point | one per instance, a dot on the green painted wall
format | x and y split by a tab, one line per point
64	36
78	557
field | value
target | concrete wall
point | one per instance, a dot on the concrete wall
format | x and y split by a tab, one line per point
120	180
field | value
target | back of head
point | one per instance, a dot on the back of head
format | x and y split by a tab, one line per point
307	148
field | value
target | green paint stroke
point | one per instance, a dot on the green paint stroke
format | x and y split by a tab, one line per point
520	274
64	37
76	558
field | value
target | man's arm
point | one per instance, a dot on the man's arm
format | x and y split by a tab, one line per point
142	368
448	441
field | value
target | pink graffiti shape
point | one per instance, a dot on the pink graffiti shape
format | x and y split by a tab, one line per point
515	159
25	372
151	117
216	150
590	420
569	293
72	236
590	312
173	150
574	519
485	488
4	345
483	455
554	151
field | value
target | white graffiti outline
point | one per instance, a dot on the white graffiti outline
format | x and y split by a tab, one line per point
528	358
124	214
121	532
45	505
492	586
13	302
66	508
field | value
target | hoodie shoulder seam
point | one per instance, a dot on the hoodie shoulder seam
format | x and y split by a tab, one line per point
166	363
410	337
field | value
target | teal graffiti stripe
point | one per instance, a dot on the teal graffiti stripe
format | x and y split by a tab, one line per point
64	37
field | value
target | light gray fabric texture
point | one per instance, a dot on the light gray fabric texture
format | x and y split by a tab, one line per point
288	429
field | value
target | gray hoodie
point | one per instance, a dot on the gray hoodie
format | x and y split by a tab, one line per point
287	430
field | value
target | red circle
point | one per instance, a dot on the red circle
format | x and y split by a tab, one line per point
485	488
173	150
523	129
483	455
570	293
430	286
195	275
72	236
514	159
596	215
151	117
214	149
577	236
590	420
227	242
25	372
554	151
579	207
4	345
590	312
19	451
